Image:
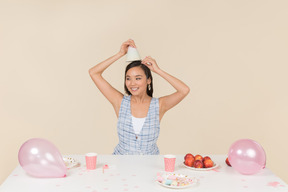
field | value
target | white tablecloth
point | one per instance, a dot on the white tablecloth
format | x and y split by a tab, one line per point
138	173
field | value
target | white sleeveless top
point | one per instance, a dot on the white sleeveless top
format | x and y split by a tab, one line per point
146	142
137	124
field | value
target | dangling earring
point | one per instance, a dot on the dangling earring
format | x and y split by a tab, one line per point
149	87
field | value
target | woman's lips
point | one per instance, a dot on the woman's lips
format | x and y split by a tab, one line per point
134	88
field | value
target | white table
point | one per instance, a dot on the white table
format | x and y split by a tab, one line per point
138	173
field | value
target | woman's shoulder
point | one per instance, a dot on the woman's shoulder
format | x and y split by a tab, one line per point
155	101
127	97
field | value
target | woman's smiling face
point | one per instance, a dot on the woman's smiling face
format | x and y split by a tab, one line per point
136	81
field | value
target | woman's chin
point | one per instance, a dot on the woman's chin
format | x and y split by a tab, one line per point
136	93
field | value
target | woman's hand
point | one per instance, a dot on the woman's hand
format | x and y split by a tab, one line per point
125	45
151	64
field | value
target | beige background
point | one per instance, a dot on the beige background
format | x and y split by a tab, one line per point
232	54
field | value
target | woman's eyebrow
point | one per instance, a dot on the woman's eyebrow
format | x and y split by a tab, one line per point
135	75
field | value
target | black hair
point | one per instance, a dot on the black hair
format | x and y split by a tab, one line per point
147	72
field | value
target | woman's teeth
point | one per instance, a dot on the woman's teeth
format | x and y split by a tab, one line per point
134	89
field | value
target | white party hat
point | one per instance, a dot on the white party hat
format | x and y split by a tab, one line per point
132	54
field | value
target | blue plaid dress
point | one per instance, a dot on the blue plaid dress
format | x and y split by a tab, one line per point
145	142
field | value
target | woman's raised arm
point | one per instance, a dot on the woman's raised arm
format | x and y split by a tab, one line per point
113	95
169	101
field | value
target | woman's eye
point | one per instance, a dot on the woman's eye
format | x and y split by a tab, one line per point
127	79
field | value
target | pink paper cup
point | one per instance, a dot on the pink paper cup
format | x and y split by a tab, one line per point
91	159
169	161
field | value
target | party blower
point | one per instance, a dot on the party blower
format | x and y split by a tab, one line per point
132	55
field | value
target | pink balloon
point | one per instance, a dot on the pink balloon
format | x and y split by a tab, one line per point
40	158
247	156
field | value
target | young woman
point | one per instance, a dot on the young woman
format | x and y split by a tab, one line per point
139	114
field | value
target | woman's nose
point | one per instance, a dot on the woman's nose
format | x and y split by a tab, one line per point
132	82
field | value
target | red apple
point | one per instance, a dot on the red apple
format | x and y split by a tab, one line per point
188	155
198	157
208	163
227	162
189	161
205	158
198	164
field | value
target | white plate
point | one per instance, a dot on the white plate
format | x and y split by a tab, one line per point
185	177
202	169
70	162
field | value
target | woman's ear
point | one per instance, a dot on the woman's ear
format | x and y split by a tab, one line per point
148	81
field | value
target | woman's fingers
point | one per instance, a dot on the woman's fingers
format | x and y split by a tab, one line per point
148	60
131	43
150	63
126	44
144	61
